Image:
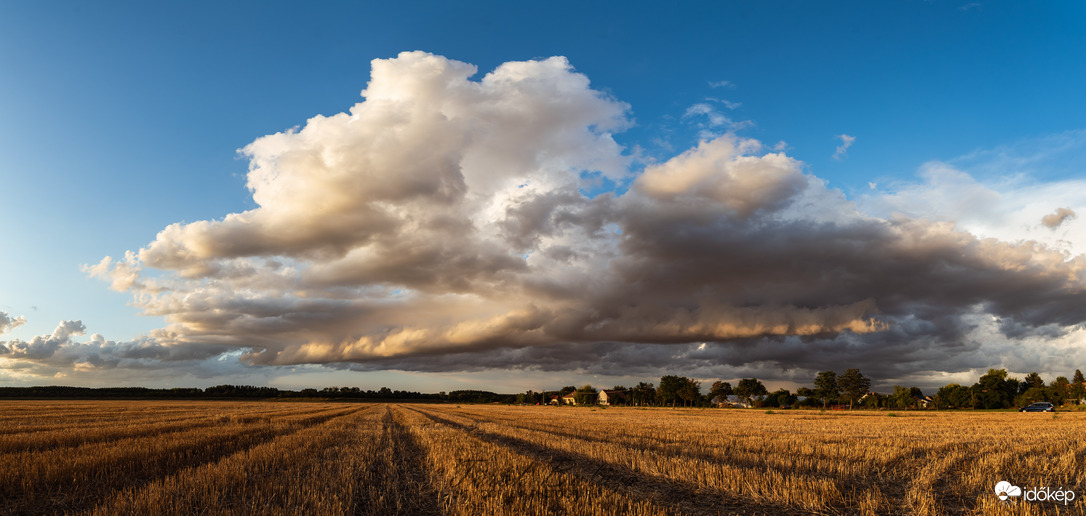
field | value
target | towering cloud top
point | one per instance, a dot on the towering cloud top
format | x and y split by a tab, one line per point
444	223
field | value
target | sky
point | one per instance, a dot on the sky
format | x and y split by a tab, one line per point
435	196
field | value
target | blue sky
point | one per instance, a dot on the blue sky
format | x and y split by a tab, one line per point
118	119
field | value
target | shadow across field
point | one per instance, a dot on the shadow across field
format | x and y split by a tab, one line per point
675	448
922	474
684	498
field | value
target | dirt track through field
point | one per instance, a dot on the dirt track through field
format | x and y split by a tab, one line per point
399	473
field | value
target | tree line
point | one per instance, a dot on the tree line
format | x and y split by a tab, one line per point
994	390
250	392
675	391
997	389
851	389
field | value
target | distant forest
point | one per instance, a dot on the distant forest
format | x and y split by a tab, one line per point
250	392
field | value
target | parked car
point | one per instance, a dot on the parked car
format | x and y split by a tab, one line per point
1040	406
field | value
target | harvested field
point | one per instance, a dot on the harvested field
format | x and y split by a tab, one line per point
139	457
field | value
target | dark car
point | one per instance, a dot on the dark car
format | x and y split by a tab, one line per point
1040	406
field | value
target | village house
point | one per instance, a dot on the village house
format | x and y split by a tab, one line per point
611	397
569	399
730	401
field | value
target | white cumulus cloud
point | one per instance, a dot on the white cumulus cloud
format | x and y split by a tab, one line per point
442	224
8	323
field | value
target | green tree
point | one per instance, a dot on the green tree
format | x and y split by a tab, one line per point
586	395
902	397
749	388
825	387
1031	381
1078	387
994	390
668	391
853	384
953	395
644	393
1012	386
720	390
780	398
875	400
690	391
808	397
1033	394
1059	390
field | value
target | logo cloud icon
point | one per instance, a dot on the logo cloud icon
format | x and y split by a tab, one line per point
1004	490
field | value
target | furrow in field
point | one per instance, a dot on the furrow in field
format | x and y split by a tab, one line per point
737	472
51	440
316	470
873	465
478	476
637	474
485	459
788	442
910	468
813	459
68	479
77	422
396	481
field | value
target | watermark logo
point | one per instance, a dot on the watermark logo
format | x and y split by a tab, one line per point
1005	490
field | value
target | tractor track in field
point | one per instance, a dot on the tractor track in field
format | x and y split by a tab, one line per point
684	498
11	444
890	479
403	486
669	448
74	495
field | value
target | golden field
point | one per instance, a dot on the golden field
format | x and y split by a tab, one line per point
173	457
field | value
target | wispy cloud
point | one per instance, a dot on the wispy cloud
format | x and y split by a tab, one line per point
1055	220
1000	192
713	117
726	103
721	84
711	121
842	150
